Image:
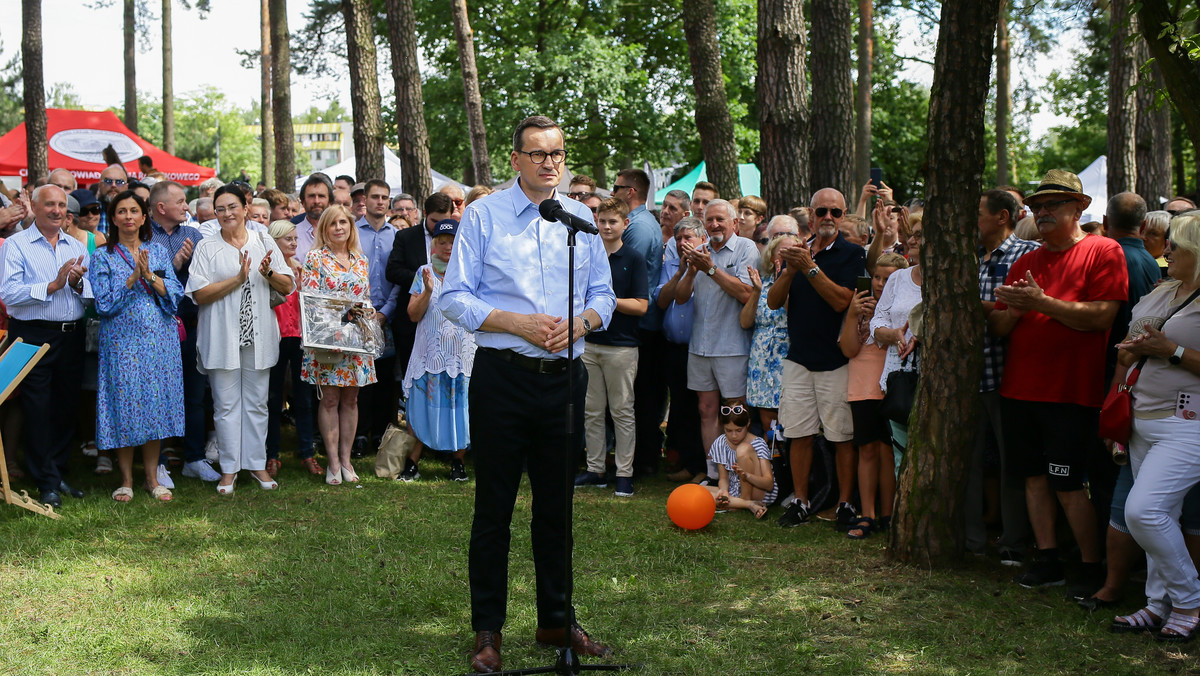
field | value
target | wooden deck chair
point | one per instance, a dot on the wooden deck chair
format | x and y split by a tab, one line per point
15	364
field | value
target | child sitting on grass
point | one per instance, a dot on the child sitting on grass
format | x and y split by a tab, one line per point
743	463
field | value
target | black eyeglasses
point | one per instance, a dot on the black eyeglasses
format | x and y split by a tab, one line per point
835	212
595	210
539	156
1048	206
90	210
736	409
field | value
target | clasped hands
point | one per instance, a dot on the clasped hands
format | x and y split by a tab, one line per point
698	258
549	332
1152	343
798	259
69	275
1022	296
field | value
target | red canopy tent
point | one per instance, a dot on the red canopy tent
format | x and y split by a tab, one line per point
76	139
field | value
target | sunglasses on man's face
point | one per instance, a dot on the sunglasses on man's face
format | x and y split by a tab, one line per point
835	212
90	210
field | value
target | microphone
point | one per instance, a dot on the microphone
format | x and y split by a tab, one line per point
552	211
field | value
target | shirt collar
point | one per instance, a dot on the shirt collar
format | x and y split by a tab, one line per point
364	223
521	201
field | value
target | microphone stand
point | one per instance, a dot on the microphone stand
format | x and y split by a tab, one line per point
568	662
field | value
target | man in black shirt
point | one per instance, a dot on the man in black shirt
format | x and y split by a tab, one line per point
817	284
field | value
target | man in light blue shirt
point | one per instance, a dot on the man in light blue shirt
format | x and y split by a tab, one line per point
43	286
507	281
377	402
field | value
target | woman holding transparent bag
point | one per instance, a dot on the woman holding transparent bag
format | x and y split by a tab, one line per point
336	266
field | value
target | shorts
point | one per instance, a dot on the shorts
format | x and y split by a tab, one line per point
870	425
812	401
1051	439
726	375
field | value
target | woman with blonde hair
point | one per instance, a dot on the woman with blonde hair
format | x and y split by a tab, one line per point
336	266
477	192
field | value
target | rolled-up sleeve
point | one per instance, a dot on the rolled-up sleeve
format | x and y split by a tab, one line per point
600	296
459	300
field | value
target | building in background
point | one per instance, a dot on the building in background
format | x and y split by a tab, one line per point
327	143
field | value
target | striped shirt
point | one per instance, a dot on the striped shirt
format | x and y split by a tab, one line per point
27	266
724	454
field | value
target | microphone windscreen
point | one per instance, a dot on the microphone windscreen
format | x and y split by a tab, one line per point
549	209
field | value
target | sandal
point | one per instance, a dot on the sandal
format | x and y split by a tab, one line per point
883	524
104	465
161	493
88	448
123	494
312	466
1182	628
865	526
273	466
1142	620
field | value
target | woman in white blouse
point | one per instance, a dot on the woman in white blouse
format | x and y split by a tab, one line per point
890	327
237	341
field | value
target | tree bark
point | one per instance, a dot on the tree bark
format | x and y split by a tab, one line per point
1122	104
482	164
1003	96
168	80
1153	136
713	121
832	158
130	66
928	528
267	130
783	104
36	158
862	92
281	98
411	133
364	89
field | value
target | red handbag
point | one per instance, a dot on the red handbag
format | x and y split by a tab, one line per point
1116	415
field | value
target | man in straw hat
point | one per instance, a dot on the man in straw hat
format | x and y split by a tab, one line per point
1056	307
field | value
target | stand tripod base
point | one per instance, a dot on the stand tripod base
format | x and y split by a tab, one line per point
567	664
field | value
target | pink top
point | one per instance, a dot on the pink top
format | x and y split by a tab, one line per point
863	376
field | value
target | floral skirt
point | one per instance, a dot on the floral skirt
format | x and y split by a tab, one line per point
437	411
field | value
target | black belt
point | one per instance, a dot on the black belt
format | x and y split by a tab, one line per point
62	327
532	364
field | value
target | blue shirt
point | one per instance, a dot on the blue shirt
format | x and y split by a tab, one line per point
173	243
377	246
27	266
506	257
645	236
677	319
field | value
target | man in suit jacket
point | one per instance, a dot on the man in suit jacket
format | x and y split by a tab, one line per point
409	252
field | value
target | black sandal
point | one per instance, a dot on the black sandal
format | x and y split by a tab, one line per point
865	526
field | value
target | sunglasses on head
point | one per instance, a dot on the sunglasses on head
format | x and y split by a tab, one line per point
736	409
835	212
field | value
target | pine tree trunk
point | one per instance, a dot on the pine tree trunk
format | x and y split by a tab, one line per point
482	164
131	116
832	126
713	121
281	98
927	527
862	92
782	104
36	157
1003	96
1153	136
264	109
1122	104
168	79
364	89
410	105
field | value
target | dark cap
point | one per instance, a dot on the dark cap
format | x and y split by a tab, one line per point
446	226
84	197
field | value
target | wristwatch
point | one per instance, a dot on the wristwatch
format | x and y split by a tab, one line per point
270	271
587	326
711	271
1177	358
812	274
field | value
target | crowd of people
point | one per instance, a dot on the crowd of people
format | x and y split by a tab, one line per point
723	345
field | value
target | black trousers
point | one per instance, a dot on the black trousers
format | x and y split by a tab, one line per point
649	401
683	425
377	401
519	418
49	387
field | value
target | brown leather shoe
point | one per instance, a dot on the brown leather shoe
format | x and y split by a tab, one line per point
581	643
486	657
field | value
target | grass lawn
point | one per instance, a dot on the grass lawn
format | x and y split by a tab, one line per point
372	580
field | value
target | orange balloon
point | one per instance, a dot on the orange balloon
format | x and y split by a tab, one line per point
691	507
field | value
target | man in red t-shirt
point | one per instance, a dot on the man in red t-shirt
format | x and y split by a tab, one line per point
1056	308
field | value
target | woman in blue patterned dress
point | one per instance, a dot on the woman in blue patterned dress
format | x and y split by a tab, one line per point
139	399
770	343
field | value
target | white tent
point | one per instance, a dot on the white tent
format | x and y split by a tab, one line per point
391	165
1095	185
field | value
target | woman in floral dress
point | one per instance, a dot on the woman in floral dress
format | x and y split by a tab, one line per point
336	266
770	343
139	399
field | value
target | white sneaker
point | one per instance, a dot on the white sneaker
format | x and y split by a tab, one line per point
200	469
212	452
164	478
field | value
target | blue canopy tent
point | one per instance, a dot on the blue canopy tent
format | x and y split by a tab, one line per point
748	177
